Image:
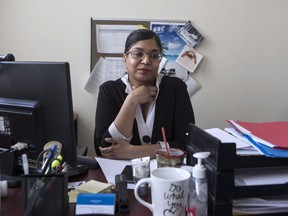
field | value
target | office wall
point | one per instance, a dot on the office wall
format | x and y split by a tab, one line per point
243	74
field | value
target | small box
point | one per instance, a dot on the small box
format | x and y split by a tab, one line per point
45	195
96	204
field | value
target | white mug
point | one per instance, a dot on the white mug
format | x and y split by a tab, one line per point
169	186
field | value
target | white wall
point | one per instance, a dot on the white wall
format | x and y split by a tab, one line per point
243	74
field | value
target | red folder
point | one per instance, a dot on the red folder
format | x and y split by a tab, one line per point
275	133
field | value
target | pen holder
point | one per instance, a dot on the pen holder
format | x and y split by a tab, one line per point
45	195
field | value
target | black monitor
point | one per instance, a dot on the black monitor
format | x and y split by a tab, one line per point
36	107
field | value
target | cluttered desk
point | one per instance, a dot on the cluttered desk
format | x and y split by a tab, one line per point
12	204
36	114
240	180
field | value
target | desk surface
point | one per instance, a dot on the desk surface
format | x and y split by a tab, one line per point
11	205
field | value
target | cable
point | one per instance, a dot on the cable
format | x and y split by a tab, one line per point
16	147
4	151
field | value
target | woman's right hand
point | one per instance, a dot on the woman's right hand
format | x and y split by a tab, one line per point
143	94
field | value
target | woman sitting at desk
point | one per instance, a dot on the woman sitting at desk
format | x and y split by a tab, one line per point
132	110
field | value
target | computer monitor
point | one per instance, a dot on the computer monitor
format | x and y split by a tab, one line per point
37	107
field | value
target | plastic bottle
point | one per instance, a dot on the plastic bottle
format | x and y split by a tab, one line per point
190	170
198	195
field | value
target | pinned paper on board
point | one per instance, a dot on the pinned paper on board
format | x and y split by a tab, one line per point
172	45
190	35
189	62
107	46
111	38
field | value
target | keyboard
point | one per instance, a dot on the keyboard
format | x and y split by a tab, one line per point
76	171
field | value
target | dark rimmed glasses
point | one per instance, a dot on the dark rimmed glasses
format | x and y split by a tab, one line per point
137	54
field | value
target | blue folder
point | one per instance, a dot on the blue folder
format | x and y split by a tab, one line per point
266	150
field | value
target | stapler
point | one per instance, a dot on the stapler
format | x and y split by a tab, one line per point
122	193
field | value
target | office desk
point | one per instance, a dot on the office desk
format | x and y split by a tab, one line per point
11	205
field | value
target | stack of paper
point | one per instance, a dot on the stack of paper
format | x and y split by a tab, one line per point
242	147
269	138
251	206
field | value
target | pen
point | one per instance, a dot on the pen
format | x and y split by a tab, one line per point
25	164
48	159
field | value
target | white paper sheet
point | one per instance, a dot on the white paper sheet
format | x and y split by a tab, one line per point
111	38
226	137
110	68
192	86
262	176
242	147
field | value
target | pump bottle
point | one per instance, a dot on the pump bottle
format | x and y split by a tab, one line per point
198	195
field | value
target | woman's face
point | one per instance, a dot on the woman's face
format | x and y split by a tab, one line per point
142	71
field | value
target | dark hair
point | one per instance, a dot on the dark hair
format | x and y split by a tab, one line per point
139	35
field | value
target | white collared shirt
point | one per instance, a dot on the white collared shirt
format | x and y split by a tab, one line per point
145	128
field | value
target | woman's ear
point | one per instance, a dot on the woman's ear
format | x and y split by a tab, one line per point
124	57
125	60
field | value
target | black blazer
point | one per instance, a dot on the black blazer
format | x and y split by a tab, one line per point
173	111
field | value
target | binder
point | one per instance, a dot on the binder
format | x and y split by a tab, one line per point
221	166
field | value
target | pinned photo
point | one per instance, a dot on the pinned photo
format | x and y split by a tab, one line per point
190	35
189	59
172	45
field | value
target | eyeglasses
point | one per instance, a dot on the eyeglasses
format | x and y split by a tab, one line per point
155	56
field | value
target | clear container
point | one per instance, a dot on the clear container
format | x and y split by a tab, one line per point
198	197
174	158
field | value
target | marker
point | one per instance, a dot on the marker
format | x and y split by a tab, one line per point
56	162
25	164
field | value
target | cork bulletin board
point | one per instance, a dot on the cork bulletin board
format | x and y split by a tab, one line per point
96	23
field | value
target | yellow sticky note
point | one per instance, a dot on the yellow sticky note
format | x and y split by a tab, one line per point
141	26
73	196
93	186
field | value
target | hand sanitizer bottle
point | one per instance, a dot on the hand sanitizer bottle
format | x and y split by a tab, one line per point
198	195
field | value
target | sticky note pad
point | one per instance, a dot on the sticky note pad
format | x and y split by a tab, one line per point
93	186
95	204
